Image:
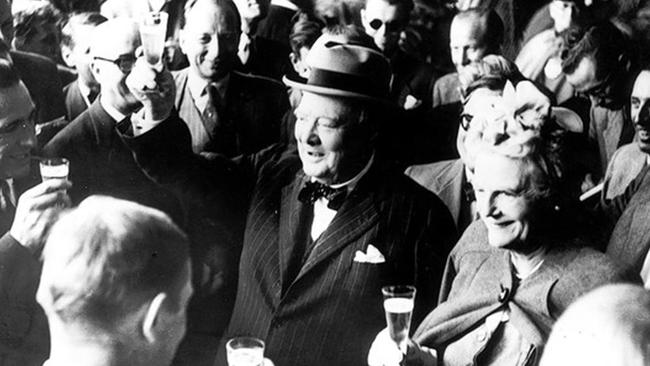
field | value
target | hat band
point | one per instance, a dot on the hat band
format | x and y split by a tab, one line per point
346	82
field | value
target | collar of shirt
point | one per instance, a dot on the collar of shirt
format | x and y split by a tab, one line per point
537	258
196	86
156	5
285	4
116	115
323	215
85	92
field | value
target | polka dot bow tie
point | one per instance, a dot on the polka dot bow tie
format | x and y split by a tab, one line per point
313	191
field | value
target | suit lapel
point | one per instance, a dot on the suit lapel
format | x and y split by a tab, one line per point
291	209
359	212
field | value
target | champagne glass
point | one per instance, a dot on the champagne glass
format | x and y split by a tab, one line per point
153	29
398	306
245	351
54	168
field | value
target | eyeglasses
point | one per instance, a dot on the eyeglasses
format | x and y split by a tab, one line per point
124	62
465	120
391	27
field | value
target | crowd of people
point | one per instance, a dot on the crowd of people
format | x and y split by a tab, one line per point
288	159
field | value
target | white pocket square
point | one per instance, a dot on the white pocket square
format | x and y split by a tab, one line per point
373	255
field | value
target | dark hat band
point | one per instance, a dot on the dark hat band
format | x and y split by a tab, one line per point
348	82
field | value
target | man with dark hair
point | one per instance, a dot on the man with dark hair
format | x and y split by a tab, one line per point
384	21
598	65
76	33
115	285
327	227
473	34
227	112
258	55
23	225
37	31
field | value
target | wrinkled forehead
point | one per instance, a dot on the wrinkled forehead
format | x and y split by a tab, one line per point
115	37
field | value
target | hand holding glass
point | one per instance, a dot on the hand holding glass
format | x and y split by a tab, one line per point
245	351
398	305
153	29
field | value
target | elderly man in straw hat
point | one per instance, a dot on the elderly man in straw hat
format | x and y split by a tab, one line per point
327	227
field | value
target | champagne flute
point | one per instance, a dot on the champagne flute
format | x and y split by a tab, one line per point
153	29
398	306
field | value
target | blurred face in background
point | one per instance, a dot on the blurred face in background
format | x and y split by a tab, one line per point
210	40
384	22
640	110
17	135
253	9
78	56
466	42
563	14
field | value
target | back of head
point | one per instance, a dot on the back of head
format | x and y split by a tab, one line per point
105	260
609	326
304	32
37	30
488	24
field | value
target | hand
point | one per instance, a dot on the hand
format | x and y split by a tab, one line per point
385	352
36	211
156	90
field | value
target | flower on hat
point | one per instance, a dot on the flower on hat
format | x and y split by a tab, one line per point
513	121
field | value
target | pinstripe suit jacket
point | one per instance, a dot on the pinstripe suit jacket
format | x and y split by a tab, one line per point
330	312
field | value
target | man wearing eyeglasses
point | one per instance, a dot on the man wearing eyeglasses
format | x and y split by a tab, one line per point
226	112
384	21
99	163
597	64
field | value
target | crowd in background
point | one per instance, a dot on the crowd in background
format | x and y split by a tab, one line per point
289	158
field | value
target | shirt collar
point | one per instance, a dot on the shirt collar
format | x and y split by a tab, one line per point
112	111
350	184
197	85
85	92
285	4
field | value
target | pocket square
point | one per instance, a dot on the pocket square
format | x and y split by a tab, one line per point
372	255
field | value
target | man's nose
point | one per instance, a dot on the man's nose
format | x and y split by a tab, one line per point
306	131
643	117
213	46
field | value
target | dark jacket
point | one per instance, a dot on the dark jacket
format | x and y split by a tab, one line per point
331	302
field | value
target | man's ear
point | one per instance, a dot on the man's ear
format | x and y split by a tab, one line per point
294	61
68	58
182	40
151	317
363	16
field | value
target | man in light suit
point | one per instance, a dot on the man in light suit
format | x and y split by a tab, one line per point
226	112
326	228
24	223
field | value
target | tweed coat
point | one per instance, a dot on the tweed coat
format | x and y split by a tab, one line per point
249	120
329	311
478	281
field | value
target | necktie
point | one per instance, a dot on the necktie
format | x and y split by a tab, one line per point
93	95
210	112
244	48
313	191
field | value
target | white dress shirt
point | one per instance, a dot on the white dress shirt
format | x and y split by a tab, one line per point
324	215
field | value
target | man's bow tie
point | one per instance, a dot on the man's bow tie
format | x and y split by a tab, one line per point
312	191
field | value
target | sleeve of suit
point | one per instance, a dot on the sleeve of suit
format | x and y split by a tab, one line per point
19	275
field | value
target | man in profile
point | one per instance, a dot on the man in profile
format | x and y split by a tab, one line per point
115	285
